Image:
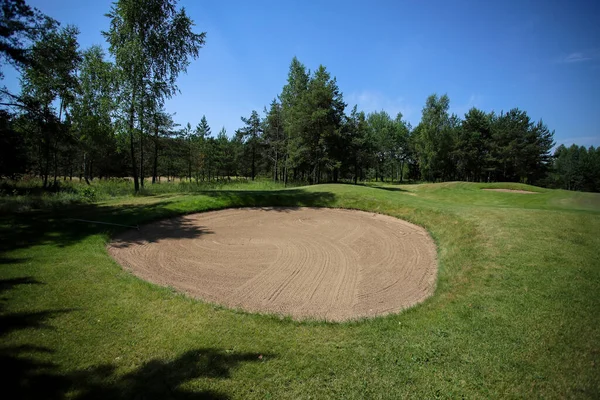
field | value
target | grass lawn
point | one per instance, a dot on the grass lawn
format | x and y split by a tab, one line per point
516	311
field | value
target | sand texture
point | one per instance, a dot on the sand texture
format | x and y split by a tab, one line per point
306	263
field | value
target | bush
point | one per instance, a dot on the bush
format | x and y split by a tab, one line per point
88	194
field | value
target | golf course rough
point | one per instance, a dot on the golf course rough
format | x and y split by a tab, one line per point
306	263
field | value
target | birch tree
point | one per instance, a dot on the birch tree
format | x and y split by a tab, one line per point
152	42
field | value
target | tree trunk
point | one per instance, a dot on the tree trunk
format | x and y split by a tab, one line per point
275	168
253	156
402	171
142	148
60	110
190	162
46	163
155	166
85	168
136	183
285	172
55	160
46	137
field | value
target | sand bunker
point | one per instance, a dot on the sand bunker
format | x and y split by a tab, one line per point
511	191
307	263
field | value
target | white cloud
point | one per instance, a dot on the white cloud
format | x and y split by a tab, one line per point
579	56
575	57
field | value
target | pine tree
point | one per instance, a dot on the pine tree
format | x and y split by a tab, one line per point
273	136
293	123
473	145
251	135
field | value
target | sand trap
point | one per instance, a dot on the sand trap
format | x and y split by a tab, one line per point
511	191
307	263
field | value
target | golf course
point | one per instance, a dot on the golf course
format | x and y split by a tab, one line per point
513	311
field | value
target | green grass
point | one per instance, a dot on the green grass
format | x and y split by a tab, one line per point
515	313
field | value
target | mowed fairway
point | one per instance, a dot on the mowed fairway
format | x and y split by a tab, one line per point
515	312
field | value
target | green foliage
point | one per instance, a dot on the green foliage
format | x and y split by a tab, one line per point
152	42
473	146
92	113
482	147
293	123
88	194
577	168
251	136
274	138
55	60
51	78
20	25
520	148
203	129
433	139
390	143
13	149
312	113
357	148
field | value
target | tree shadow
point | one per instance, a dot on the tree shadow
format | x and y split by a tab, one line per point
10	322
30	373
388	188
162	379
11	260
15	361
27	377
173	228
8	284
58	227
288	198
23	320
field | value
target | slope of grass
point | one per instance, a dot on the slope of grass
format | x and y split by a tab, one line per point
515	313
29	195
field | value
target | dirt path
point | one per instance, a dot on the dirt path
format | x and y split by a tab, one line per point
308	263
511	191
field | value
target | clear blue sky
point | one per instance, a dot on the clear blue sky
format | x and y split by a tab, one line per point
540	56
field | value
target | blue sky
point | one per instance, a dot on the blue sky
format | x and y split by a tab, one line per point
540	56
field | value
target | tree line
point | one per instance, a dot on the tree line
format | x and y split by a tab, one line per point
576	168
88	114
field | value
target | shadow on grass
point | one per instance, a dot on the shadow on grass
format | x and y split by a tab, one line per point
11	260
289	198
23	230
172	228
30	373
10	322
388	188
162	379
8	284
